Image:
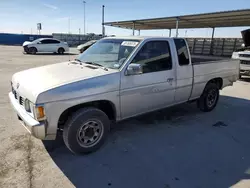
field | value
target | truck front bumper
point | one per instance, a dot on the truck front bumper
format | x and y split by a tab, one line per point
245	72
245	69
35	128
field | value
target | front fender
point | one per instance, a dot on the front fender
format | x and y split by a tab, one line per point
54	110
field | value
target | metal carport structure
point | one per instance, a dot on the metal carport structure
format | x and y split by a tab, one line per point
233	18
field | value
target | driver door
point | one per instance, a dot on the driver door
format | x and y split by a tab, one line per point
42	45
155	87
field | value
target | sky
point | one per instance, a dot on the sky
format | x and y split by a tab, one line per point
63	16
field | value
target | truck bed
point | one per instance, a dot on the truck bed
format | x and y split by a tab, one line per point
209	67
198	59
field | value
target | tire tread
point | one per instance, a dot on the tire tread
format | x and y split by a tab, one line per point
201	102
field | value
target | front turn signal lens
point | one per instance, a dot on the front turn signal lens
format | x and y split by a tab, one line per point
40	113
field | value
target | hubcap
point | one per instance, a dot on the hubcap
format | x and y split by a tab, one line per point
90	133
211	97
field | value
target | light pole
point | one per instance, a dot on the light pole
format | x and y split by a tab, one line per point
103	28
84	2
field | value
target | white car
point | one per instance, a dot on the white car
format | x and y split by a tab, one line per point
45	45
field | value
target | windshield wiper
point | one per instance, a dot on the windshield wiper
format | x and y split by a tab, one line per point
77	60
93	63
97	64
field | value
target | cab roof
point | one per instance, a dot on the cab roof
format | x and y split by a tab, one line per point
136	37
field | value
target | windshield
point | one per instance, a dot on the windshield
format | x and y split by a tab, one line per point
37	40
110	53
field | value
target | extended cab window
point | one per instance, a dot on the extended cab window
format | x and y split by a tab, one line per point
154	56
182	51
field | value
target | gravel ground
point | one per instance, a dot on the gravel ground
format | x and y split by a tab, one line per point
173	148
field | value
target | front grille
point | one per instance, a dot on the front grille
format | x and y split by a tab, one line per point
19	98
244	62
15	93
21	101
244	55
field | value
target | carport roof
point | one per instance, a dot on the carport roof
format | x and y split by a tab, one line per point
234	18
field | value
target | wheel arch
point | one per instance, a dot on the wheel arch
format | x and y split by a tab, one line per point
218	81
32	46
106	106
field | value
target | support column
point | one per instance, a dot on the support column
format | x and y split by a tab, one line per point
235	41
203	43
133	28
139	32
193	47
222	47
177	26
170	32
212	42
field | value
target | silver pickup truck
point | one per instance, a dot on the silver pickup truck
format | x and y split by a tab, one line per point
115	79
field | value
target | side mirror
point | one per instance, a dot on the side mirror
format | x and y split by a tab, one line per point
134	69
39	42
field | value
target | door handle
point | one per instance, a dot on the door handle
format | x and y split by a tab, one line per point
170	79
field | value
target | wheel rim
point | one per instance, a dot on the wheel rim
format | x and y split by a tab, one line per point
33	50
90	133
212	98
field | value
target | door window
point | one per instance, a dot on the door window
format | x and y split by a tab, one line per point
154	56
182	51
51	41
45	41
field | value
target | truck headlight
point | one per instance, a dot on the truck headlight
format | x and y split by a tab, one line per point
27	105
39	113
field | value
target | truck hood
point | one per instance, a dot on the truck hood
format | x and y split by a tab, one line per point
32	82
246	37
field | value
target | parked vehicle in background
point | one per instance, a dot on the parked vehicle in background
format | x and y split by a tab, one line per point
85	46
45	45
243	54
115	79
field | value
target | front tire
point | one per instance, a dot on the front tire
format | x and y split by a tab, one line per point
61	50
32	50
209	98
86	130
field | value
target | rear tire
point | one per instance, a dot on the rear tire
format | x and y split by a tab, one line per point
32	50
86	130
61	50
209	98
